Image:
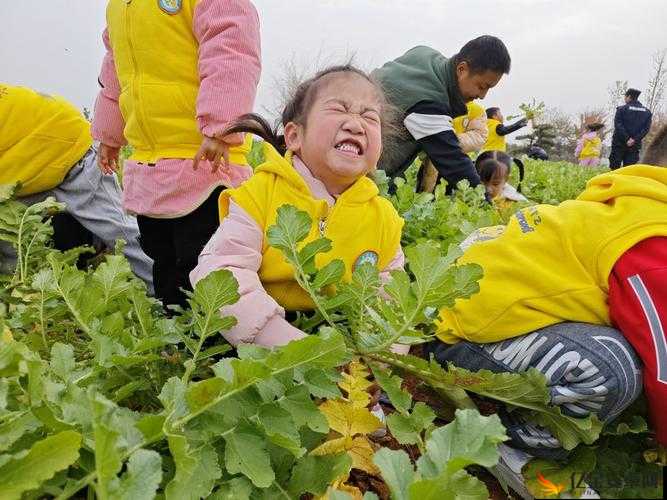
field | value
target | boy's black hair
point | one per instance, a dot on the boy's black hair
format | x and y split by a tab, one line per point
491	112
656	152
485	53
633	93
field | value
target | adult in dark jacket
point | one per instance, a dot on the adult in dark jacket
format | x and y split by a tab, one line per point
431	90
631	123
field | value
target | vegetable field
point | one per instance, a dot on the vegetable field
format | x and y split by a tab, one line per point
103	396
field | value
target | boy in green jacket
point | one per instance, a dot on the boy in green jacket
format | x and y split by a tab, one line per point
431	90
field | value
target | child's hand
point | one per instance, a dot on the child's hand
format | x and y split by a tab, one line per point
107	158
214	150
631	142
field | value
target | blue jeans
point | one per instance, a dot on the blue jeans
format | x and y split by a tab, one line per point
589	369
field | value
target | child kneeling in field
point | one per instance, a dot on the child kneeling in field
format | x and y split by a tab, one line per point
332	139
577	291
47	147
494	169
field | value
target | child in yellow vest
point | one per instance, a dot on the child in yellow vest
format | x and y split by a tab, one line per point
589	146
471	130
332	139
175	74
497	131
45	144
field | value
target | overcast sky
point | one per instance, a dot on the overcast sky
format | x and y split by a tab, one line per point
563	52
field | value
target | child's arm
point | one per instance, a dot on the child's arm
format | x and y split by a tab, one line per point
237	247
229	63
503	130
108	123
474	138
638	307
396	264
580	146
430	123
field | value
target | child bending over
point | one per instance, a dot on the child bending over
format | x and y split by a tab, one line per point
578	292
494	169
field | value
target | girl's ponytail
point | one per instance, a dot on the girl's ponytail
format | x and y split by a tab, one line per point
252	123
522	172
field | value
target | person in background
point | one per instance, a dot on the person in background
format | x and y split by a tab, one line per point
589	146
175	74
494	169
46	146
332	139
576	291
632	122
430	90
497	131
471	132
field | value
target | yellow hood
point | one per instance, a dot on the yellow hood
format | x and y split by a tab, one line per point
644	181
552	263
363	190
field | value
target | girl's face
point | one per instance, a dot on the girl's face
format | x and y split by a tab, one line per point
341	140
495	185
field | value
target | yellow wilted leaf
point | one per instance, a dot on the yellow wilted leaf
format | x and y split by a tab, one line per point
347	420
332	446
356	384
340	485
7	335
362	455
359	449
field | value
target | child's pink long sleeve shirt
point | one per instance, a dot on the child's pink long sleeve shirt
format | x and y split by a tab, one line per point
229	69
237	246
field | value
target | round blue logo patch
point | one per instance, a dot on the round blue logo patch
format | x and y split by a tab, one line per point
171	6
368	256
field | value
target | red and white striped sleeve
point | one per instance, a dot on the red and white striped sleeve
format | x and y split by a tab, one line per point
638	307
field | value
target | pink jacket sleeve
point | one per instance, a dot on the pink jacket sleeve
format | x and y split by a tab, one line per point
397	263
229	62
580	146
108	123
237	247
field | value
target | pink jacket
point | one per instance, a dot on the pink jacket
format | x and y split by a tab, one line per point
229	38
237	246
580	143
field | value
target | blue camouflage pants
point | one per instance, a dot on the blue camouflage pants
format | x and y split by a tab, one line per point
95	200
589	369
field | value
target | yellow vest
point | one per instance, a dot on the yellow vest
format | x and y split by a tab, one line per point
552	263
41	138
460	123
591	149
156	57
494	142
361	225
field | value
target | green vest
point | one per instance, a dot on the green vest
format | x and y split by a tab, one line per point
421	74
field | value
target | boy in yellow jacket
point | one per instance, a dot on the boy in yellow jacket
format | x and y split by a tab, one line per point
559	283
495	140
45	144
